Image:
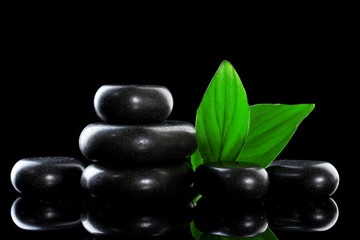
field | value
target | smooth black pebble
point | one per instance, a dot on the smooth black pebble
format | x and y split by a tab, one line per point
140	183
133	104
46	176
134	144
303	177
228	181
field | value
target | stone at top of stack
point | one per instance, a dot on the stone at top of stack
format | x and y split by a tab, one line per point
135	129
133	104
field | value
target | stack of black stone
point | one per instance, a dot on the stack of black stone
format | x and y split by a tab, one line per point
141	160
139	155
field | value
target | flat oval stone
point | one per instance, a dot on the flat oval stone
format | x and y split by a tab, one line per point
140	183
231	180
40	215
304	177
133	144
133	104
47	175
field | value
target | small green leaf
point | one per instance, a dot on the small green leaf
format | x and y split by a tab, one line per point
196	159
271	128
222	120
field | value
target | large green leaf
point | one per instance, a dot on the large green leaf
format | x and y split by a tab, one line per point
271	128
222	119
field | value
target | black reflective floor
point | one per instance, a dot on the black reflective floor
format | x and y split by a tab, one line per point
90	218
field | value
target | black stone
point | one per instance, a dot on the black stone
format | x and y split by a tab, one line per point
133	144
133	104
239	220
40	176
41	215
303	177
229	181
295	214
141	183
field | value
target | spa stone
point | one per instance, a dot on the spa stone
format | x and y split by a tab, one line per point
231	181
45	176
151	183
303	177
110	144
133	104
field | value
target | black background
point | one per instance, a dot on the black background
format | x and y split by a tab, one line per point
53	66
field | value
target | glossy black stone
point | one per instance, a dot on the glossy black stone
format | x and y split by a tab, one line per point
297	214
140	183
240	220
303	177
119	220
41	215
40	176
133	144
227	181
133	104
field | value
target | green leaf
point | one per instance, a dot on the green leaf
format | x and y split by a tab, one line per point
222	120
196	159
271	128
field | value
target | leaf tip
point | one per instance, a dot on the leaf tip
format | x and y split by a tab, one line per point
311	106
226	63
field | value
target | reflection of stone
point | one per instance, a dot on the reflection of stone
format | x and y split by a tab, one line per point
231	180
240	219
140	183
127	220
302	215
183	233
41	215
303	177
47	176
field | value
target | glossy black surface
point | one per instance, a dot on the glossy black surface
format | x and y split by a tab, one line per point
183	233
303	177
138	144
231	181
295	214
140	183
105	219
133	104
45	215
230	220
125	220
46	176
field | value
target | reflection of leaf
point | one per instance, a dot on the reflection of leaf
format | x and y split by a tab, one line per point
271	128
194	231
197	235
267	235
222	119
